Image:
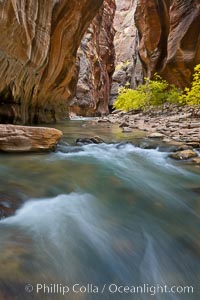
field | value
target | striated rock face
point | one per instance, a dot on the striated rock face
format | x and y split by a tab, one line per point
15	138
128	65
125	30
38	44
169	38
39	68
96	57
156	36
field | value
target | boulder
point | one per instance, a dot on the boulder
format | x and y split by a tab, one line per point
183	155
91	140
14	138
196	160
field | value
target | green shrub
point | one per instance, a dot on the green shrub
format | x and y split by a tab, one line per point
192	95
152	93
129	99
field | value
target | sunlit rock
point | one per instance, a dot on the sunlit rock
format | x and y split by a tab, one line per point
15	138
39	41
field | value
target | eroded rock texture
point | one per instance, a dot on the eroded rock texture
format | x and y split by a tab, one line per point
38	44
14	138
128	65
96	57
169	38
125	30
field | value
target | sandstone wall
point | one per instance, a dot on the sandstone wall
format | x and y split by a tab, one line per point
96	57
38	44
128	65
39	68
169	38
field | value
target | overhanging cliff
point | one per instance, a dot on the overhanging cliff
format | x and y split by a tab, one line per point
38	44
39	69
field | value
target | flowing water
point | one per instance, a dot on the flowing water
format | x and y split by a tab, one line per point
102	217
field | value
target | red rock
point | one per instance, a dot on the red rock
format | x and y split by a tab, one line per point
128	65
169	38
15	138
96	55
38	44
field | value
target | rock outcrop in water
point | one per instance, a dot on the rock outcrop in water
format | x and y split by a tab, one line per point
39	41
9	203
15	138
96	57
169	38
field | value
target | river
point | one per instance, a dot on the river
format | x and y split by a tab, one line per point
100	220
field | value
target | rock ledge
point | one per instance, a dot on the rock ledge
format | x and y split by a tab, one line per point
15	138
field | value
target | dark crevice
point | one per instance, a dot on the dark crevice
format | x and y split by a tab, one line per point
165	33
6	106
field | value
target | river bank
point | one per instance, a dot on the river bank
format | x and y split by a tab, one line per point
77	134
170	124
101	214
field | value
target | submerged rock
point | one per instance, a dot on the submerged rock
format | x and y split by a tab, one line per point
123	144
182	148
185	154
68	149
146	145
196	160
28	139
91	140
9	204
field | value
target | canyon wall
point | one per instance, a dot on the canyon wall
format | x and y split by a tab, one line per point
128	69
40	68
96	59
156	36
169	38
38	44
111	41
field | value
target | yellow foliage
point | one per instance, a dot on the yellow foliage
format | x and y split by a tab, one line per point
192	95
151	93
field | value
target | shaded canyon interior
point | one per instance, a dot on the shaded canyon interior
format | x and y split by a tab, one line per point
61	56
